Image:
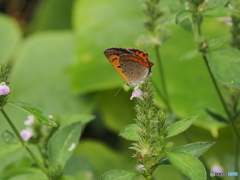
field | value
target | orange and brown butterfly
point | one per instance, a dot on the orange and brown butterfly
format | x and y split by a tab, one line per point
132	64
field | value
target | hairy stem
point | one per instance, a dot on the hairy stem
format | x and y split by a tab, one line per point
24	144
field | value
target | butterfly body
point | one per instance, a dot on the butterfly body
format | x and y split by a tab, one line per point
132	64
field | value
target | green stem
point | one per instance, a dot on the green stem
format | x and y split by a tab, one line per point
160	66
24	144
234	129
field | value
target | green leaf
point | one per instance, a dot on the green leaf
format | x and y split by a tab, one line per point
225	65
215	4
20	168
98	152
10	35
194	149
190	54
221	12
53	14
215	43
52	92
182	15
216	116
118	174
7	150
130	132
9	138
80	167
90	62
38	114
113	117
187	164
180	126
63	142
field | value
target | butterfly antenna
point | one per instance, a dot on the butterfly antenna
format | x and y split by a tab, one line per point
117	92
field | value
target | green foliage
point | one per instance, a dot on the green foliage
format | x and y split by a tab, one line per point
120	174
194	149
10	35
130	132
38	114
187	164
225	65
63	71
180	126
63	142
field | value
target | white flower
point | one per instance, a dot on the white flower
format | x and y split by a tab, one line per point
26	134
29	120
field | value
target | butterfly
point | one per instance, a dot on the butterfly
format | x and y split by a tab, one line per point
132	64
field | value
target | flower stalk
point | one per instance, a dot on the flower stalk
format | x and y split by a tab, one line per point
152	131
153	15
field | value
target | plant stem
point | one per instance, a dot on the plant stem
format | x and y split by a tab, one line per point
24	144
234	129
160	66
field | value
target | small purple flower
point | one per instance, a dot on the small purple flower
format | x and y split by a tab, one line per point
136	93
29	120
26	134
4	89
217	168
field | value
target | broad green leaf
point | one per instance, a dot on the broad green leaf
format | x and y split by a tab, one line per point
19	168
98	152
221	12
38	114
116	117
46	84
63	142
10	34
80	167
187	164
225	65
180	126
6	150
118	174
14	172
9	137
194	149
130	132
182	15
190	54
52	15
215	4
91	70
215	43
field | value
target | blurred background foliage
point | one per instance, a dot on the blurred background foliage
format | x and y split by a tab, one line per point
54	50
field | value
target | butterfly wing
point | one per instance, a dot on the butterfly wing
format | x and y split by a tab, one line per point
135	69
113	55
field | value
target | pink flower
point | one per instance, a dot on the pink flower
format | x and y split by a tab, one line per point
136	93
4	89
29	120
26	134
